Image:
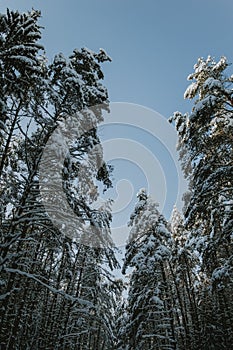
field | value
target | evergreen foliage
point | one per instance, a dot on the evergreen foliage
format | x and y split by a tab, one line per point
56	293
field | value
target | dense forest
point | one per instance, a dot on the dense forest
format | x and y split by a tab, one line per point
57	291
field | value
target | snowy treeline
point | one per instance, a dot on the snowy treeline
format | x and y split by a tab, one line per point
181	279
57	293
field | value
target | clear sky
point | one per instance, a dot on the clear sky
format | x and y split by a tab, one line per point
153	45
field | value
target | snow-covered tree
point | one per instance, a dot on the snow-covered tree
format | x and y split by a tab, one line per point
150	322
184	266
206	148
55	292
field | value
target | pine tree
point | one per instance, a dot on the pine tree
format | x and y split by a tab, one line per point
184	266
55	292
150	316
205	146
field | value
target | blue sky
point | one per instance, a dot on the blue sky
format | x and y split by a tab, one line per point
153	44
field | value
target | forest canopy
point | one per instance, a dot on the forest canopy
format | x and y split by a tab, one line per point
60	293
